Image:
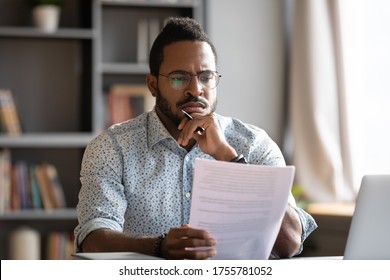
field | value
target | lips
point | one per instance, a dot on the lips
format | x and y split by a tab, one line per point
193	107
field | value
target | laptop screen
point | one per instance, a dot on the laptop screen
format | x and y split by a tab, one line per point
368	236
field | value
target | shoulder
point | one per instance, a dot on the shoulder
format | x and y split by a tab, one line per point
131	126
128	130
238	128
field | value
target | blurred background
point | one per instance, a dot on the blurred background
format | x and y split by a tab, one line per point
312	74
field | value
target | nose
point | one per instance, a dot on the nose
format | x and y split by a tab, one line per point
194	88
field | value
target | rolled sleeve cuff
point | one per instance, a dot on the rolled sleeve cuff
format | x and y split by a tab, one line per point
308	225
99	223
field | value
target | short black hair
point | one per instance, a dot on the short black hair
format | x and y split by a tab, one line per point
176	29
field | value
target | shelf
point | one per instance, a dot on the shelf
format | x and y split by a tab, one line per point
151	3
124	68
40	214
64	33
46	140
60	82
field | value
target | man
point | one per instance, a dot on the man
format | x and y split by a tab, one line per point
137	176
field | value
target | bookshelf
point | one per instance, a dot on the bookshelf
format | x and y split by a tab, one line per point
61	82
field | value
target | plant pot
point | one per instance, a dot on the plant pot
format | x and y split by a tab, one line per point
46	17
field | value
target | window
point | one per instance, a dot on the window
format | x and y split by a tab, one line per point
366	49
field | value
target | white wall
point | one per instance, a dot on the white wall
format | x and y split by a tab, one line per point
248	35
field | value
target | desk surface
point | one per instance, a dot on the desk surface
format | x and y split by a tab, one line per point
318	258
137	256
113	256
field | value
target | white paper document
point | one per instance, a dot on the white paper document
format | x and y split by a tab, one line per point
241	205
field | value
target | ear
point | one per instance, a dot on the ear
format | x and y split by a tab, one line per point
151	82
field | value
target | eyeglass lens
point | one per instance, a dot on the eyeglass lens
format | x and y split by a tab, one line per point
180	80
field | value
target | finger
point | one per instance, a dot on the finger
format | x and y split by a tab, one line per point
193	129
201	254
187	131
197	242
189	232
186	134
186	253
183	123
196	233
189	237
190	252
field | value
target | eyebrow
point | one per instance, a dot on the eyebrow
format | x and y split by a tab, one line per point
186	72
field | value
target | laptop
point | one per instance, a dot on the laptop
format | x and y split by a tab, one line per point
368	237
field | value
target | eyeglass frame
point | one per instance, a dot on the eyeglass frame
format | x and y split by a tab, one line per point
216	73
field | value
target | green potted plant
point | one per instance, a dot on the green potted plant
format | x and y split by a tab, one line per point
46	14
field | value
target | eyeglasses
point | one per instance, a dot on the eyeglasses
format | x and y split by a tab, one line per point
179	80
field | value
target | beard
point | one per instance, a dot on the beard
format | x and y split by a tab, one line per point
164	106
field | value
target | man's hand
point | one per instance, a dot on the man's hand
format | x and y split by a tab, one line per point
183	242
212	141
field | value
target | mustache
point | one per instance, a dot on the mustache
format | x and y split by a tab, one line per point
189	99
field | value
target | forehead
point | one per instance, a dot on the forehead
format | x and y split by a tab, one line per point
188	55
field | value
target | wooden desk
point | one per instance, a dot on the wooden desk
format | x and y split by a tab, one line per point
329	239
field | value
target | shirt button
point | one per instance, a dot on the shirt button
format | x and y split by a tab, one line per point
188	195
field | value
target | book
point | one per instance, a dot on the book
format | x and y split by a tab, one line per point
59	245
58	191
119	108
126	101
154	30
25	186
53	246
15	192
5	180
142	41
23	182
50	187
147	31
47	193
36	199
9	117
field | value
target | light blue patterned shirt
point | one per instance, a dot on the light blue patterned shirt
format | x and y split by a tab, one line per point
137	179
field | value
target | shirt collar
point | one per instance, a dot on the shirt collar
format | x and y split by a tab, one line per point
156	130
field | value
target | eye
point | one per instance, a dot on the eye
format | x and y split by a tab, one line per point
206	76
177	84
178	77
178	80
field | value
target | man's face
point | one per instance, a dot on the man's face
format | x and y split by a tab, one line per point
193	58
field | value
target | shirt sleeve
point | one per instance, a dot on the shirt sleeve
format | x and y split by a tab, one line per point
308	225
101	198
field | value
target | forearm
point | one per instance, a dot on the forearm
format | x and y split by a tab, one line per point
289	237
174	246
106	240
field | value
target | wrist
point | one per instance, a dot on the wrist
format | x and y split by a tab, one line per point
239	159
158	243
225	153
